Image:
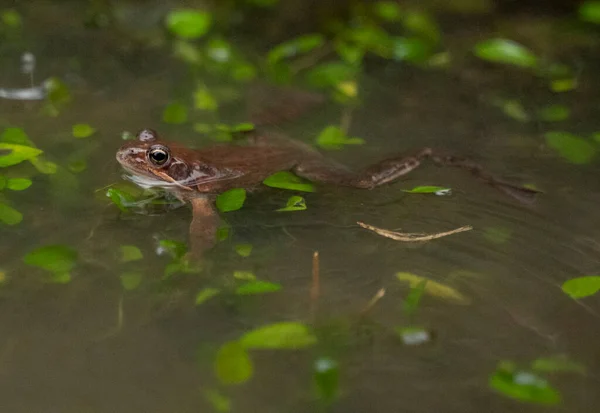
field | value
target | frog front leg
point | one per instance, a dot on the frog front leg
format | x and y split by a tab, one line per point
203	228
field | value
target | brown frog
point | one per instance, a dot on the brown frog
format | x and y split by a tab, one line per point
196	176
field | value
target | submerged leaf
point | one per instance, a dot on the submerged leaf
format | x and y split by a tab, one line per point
54	258
243	250
294	203
83	130
206	294
232	364
413	336
433	287
411	303
326	376
130	253
257	287
131	280
284	335
581	287
244	275
13	154
231	200
18	184
557	364
294	47
589	11
188	23
427	189
573	148
523	385
333	137
175	113
287	180
9	215
554	113
505	51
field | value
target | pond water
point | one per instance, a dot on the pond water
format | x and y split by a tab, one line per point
119	334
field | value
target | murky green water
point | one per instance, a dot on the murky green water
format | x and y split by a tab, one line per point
91	345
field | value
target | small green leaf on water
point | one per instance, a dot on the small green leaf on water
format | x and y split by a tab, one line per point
12	154
257	287
130	253
53	258
243	250
206	294
554	113
564	85
284	335
204	100
413	336
333	137
83	130
497	235
581	287
326	376
433	287
231	200
559	363
131	280
426	189
10	18
294	203
232	364
218	401
244	275
9	215
388	10
294	47
411	303
573	148
18	184
523	385
175	113
505	51
188	23
287	180
589	11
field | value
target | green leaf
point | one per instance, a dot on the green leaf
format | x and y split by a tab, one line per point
433	287
411	49
557	364
219	402
175	113
18	184
53	258
120	198
175	249
45	167
231	200
582	286
423	24
564	85
505	51
333	137
131	280
257	287
83	130
244	275
204	100
326	376
411	303
573	148
77	166
554	113
60	277
232	364
16	136
294	47
130	253
11	18
514	109
188	23
206	294
287	180
187	52
9	216
589	11
331	74
294	203
413	336
12	154
388	10
524	386
57	97
426	189
243	250
284	335
596	136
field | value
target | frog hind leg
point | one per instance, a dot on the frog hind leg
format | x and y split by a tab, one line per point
203	227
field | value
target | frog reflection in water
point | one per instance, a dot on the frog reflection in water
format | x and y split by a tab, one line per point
196	176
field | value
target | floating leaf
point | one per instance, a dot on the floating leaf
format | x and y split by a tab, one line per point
333	137
243	250
131	280
83	130
244	275
9	215
18	184
232	364
425	189
287	180
589	11
557	364
54	258
206	294
554	113
231	200
257	287
326	376
433	288
523	385
130	253
285	335
294	47
175	113
388	10
204	100
411	303
189	23
573	148
413	336
582	286
505	51
13	154
294	203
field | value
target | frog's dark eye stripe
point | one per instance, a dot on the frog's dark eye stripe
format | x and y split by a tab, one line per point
158	155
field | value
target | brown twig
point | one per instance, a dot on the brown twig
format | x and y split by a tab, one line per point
378	296
412	237
315	288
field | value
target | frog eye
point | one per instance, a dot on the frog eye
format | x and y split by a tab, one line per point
159	155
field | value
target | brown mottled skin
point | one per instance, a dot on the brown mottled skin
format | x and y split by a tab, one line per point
196	175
